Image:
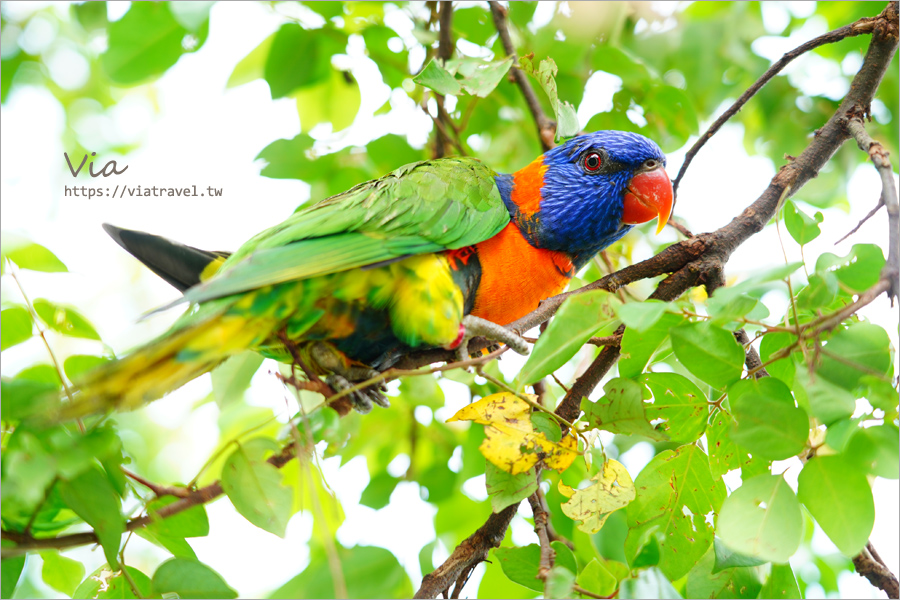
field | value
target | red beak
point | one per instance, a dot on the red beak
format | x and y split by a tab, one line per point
649	195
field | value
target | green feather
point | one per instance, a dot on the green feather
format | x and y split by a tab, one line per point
419	208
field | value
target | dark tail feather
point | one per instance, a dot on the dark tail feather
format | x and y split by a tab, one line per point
180	265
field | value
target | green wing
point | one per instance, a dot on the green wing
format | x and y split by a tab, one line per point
421	207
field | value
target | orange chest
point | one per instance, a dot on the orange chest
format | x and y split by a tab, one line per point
516	276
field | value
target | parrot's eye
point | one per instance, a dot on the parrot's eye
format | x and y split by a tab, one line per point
591	162
650	164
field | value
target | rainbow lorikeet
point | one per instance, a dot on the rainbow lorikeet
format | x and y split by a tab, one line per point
426	256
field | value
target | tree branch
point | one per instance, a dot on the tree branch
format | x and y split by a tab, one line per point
546	127
696	261
881	159
863	26
25	542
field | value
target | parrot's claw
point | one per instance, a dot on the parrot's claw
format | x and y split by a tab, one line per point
361	400
343	377
476	326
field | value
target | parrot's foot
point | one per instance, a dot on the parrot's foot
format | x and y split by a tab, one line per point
475	326
362	399
343	376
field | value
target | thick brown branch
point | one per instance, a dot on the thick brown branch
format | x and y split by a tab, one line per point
546	128
863	26
473	550
869	565
445	51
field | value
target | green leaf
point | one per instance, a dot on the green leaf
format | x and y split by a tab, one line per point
91	496
10	571
189	523
621	410
709	352
505	489
60	572
64	320
876	450
801	226
190	579
638	348
880	393
737	582
299	58
762	519
826	401
559	583
649	583
768	423
34	257
343	95
838	495
726	558
641	316
724	454
521	565
821	291
545	73
144	43
24	398
853	353
254	487
378	493
192	15
544	423
579	317
15	327
232	378
680	403
369	572
859	270
784	368
678	496
597	579
482	80
436	77
781	584
252	66
78	364
114	585
731	303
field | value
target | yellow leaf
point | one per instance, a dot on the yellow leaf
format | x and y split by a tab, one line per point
613	490
511	443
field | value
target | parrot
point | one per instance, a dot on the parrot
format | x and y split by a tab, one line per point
427	256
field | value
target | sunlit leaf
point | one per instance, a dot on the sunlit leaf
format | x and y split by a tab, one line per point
15	327
65	320
510	440
190	579
768	423
839	497
762	519
801	226
621	410
254	487
580	317
612	489
708	352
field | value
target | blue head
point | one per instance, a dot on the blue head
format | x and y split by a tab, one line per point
587	193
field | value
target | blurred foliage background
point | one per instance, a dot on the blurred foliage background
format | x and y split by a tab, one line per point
660	69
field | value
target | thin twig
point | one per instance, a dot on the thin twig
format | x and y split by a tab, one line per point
546	128
881	159
862	221
864	25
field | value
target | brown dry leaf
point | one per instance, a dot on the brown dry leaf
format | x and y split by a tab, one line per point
511	443
613	490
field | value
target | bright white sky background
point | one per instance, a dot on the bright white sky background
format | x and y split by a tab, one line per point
206	135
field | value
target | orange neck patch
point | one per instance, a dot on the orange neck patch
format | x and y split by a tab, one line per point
527	184
516	276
